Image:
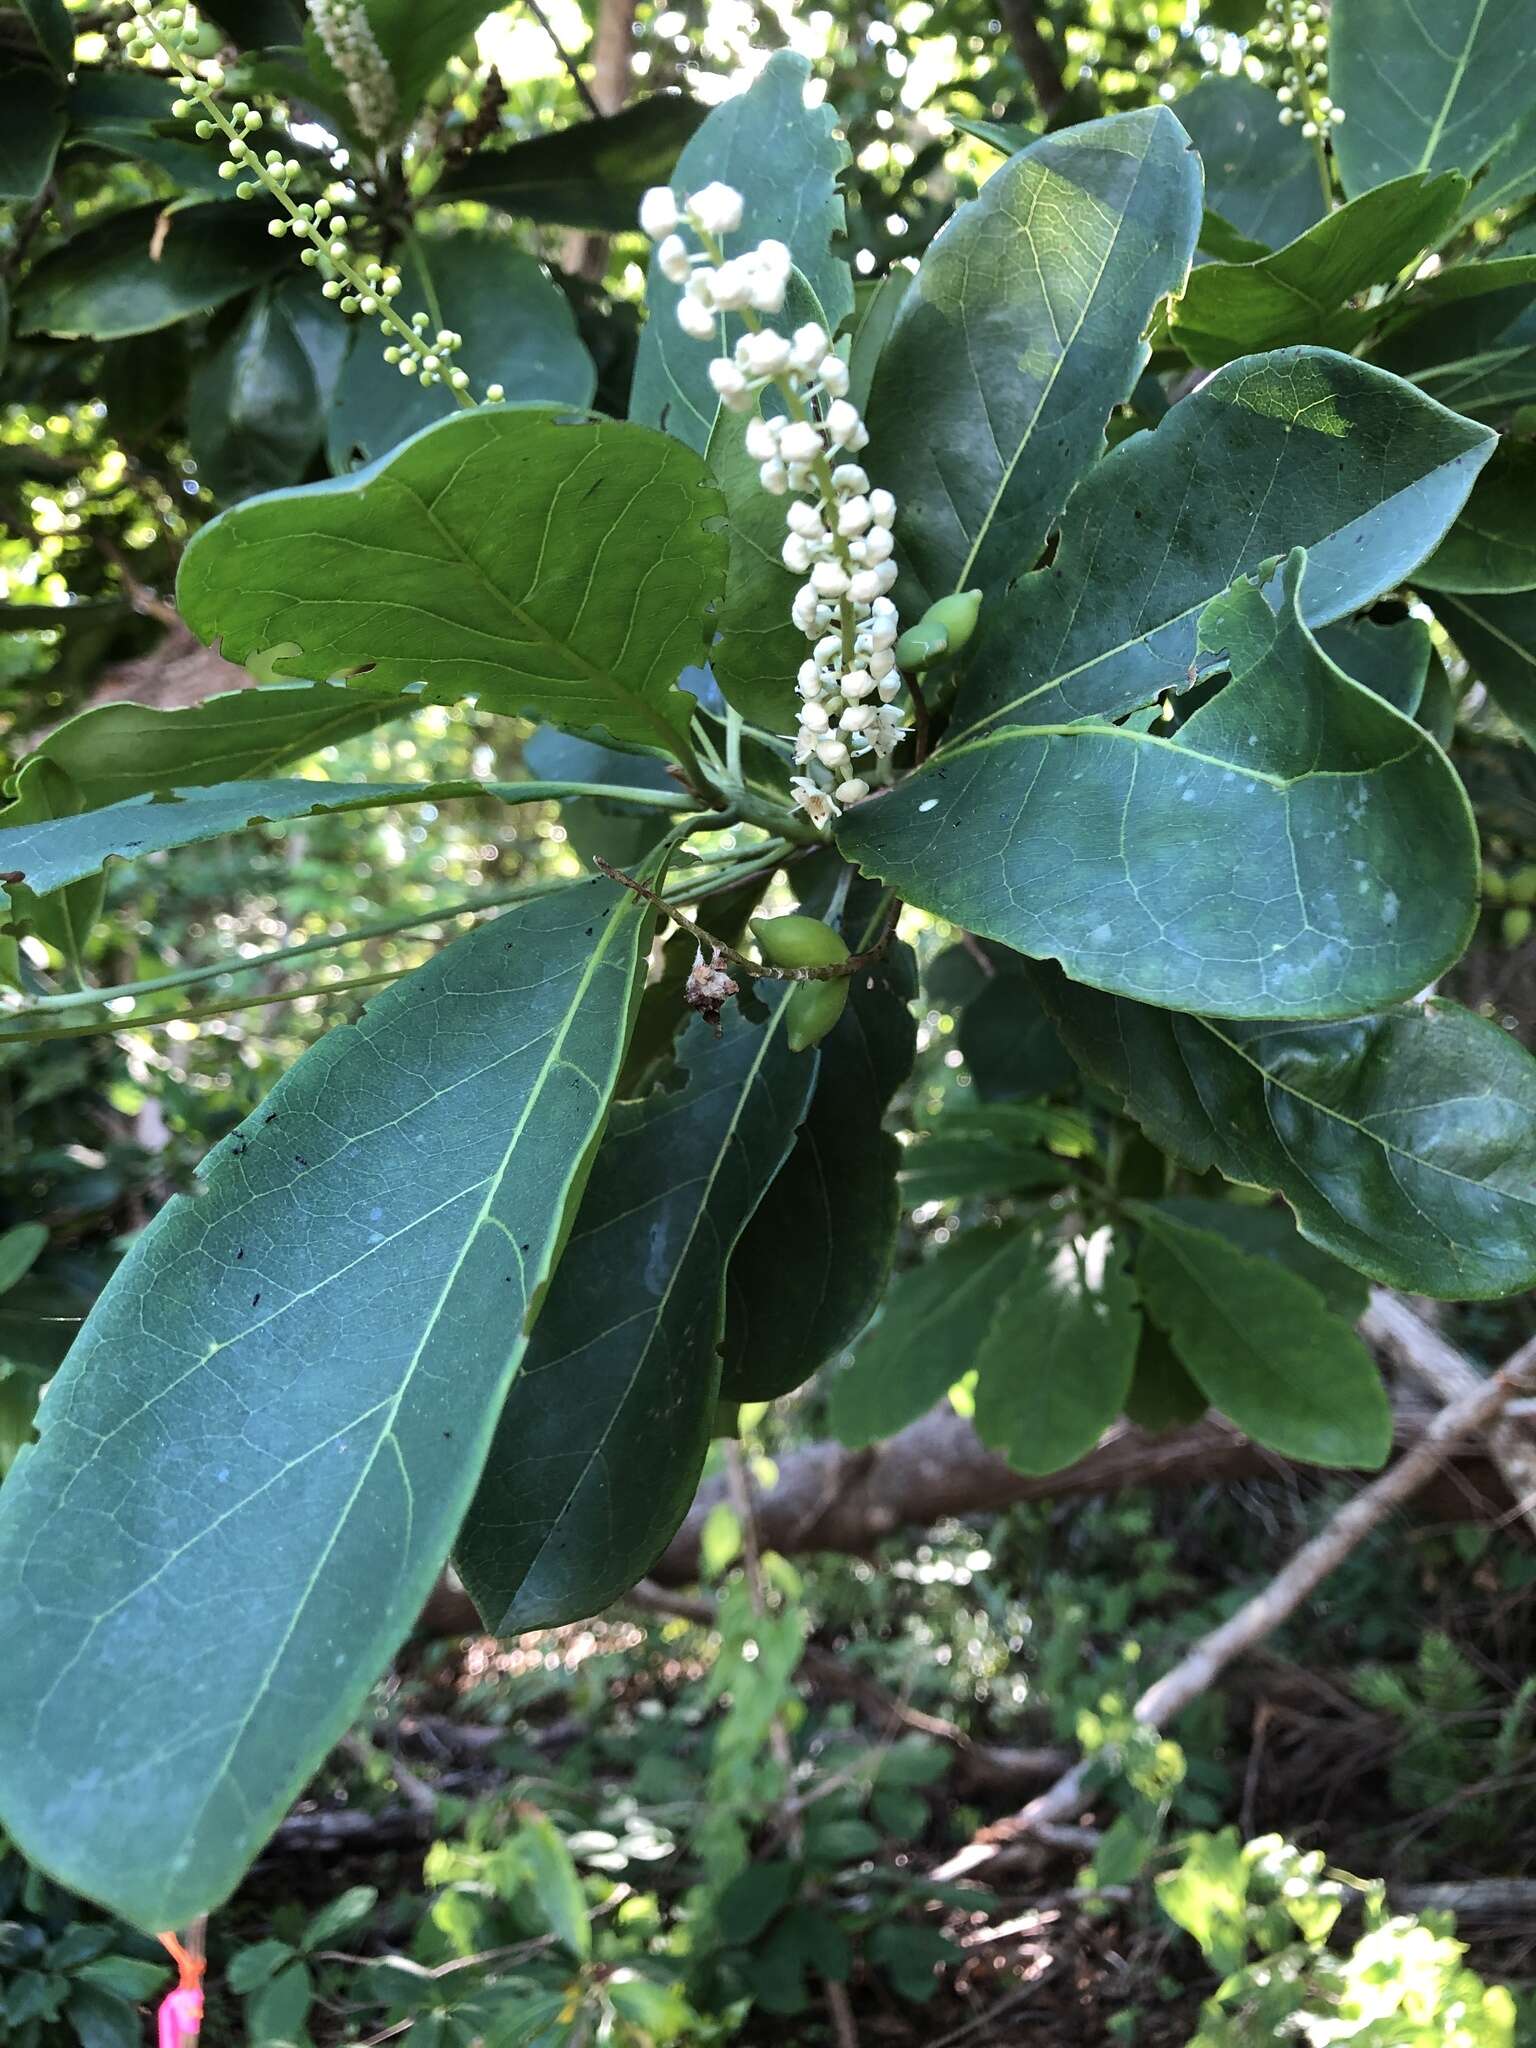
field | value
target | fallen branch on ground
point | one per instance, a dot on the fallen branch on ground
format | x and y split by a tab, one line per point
1257	1618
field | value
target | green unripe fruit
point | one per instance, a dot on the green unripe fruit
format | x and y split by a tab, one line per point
1520	887
812	1010
1515	927
942	630
798	942
1495	888
206	42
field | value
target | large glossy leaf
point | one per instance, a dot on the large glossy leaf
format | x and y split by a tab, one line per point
257	400
1391	659
1262	1346
825	1233
589	175
32	121
255	1458
1426	88
1498	637
1054	1367
518	328
1267	1230
1476	355
1260	178
55	850
114	751
556	566
600	1445
128	113
1302	292
1021	333
784	158
1011	1049
146	267
1297	849
1492	546
1511	171
1403	1142
1302	448
55	32
933	1318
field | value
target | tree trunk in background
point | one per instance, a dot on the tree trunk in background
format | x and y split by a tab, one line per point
1036	55
586	254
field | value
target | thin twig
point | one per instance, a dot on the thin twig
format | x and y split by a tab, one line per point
1259	1617
572	69
839	970
841	2010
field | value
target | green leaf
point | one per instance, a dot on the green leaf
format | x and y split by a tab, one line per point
951	1166
600	1445
1510	174
754	1898
1492	546
876	305
1477	355
395	1208
518	328
55	32
1431	91
825	1232
1021	333
1054	1368
101	2019
1262	1347
1010	1046
130	1979
115	751
250	1968
1402	1142
1162	1395
1269	1231
1498	637
147	267
128	113
1334	868
784	158
277	2012
561	567
32	122
1260	177
257	401
1391	659
340	1914
19	1249
45	812
1301	292
556	1884
592	174
1301	448
932	1320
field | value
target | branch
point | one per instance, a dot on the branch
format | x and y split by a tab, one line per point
1036	55
1259	1617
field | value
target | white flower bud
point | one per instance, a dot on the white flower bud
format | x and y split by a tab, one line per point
763	355
848	478
849	792
829	579
695	319
769	266
881	663
672	259
857	684
829	647
800	442
810	345
730	385
797	553
805	518
762	438
716	210
833	372
844	427
808	681
886	573
856	717
831	753
814	718
658	211
878	544
890	688
731	287
805	610
882	508
701	286
852	517
864	585
774	477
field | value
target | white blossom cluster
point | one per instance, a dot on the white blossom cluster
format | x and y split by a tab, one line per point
839	528
1295	29
167	30
349	41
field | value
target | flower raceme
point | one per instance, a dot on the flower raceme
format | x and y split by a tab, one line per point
838	529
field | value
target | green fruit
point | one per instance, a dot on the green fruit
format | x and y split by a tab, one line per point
1520	887
1495	888
1515	928
812	1010
943	629
798	942
206	42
